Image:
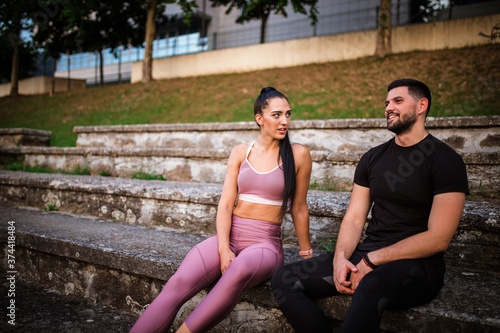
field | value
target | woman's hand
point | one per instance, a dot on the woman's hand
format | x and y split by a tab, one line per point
226	256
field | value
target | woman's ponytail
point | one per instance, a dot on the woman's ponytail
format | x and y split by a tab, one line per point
288	161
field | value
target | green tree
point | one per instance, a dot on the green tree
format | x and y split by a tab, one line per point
93	25
261	9
54	32
27	59
90	26
14	18
107	24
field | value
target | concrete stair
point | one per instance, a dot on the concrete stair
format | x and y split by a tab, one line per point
116	240
124	266
465	134
192	207
199	152
18	137
209	165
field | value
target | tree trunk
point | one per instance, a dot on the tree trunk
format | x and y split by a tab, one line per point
52	87
101	69
53	80
263	28
120	66
68	64
147	63
384	29
14	76
203	21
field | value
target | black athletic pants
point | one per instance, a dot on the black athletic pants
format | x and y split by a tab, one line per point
396	285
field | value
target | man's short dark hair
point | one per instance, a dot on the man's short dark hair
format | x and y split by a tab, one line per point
416	89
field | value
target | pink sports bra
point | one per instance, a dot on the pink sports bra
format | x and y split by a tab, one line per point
260	187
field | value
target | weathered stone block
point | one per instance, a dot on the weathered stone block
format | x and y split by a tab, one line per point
16	137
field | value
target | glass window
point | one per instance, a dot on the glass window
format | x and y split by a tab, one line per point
164	47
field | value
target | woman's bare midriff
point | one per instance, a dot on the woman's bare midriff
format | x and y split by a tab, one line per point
255	211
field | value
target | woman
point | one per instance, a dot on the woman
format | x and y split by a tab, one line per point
266	176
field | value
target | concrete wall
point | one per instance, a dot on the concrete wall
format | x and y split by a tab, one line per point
444	34
42	85
428	36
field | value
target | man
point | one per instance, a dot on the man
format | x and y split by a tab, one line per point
417	185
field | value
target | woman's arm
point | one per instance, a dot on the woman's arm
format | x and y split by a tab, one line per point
226	205
299	210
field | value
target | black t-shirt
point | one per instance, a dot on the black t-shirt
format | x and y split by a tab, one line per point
403	182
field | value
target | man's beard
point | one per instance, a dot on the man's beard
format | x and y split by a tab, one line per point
403	125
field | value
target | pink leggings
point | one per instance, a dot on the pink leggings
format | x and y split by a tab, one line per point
259	253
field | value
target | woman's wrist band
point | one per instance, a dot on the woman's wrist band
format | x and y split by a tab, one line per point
306	253
368	263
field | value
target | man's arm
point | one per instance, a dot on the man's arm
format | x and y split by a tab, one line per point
349	237
445	215
443	222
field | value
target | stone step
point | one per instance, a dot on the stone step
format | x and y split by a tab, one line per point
9	156
192	207
209	166
464	134
125	265
16	137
